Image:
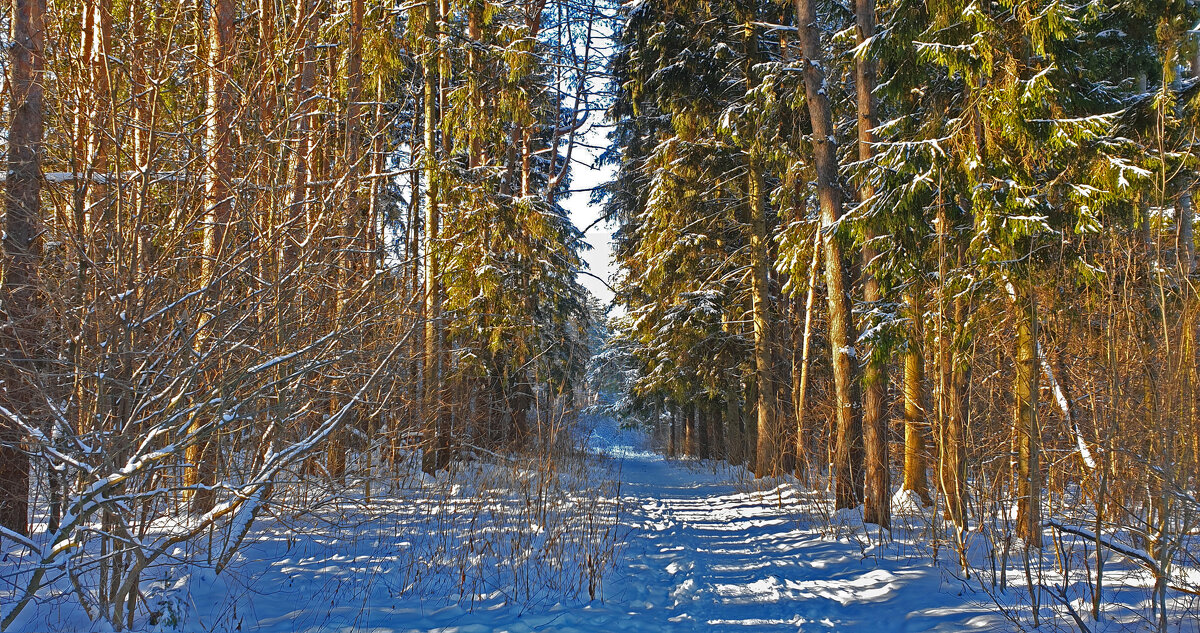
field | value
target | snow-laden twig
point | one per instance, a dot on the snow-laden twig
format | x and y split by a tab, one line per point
1142	558
1060	396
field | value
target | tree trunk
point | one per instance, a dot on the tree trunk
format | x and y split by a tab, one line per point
475	34
769	437
672	445
848	454
91	136
735	446
305	103
716	432
877	491
349	266
1185	240
432	458
21	340
915	477
952	376
804	439
1025	426
689	429
200	457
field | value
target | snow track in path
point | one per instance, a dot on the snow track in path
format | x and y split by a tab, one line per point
702	555
698	551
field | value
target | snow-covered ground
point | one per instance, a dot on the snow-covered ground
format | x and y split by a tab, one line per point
699	548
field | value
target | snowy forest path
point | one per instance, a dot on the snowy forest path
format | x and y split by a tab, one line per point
706	552
700	547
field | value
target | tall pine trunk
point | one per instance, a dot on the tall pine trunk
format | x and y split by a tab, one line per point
349	266
804	441
769	437
848	452
952	375
877	489
1025	425
433	458
915	478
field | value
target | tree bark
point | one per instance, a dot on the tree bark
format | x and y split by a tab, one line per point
952	376
848	453
1185	246
200	456
716	432
475	35
91	137
804	443
915	478
735	438
689	429
1025	426
877	490
349	267
672	444
769	437
20	320
306	67
434	457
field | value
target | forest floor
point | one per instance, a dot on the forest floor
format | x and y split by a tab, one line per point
700	547
699	551
706	551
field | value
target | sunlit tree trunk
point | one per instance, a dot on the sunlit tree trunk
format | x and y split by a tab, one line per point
877	489
91	135
915	478
768	449
1025	426
433	458
1185	205
769	437
349	267
848	451
474	68
952	373
293	226
804	441
200	457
